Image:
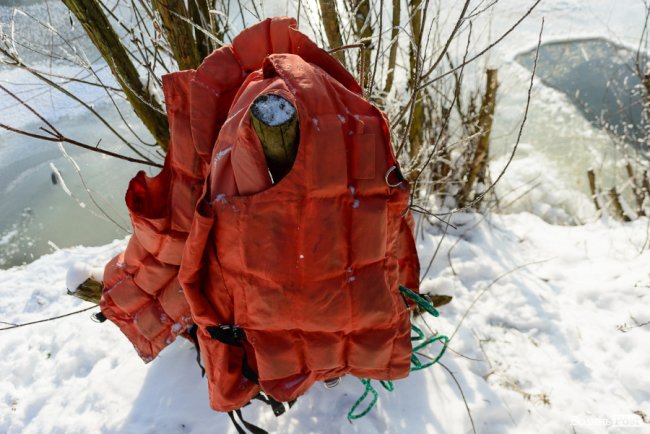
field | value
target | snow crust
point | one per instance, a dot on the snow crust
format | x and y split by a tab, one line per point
551	335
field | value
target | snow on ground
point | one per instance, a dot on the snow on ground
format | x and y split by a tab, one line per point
554	344
551	339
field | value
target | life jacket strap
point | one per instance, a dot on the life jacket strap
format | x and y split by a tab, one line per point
192	331
278	407
233	335
228	334
251	428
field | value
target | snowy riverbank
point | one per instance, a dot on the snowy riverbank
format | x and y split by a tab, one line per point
551	341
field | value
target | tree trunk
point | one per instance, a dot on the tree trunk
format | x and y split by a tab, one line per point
103	35
200	12
363	31
178	31
332	27
415	132
392	55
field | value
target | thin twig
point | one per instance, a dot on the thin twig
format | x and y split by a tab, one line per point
58	139
486	49
56	136
459	22
345	47
435	253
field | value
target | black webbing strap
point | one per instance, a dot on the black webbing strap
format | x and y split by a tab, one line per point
192	331
251	428
233	335
278	407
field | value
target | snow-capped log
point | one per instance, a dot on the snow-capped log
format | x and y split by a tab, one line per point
85	282
276	124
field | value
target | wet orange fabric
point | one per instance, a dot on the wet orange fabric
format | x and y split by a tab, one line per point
141	290
308	267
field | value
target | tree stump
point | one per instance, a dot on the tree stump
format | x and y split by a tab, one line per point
276	124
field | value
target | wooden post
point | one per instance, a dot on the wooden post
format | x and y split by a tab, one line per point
637	189
437	300
618	207
592	186
90	290
276	124
485	117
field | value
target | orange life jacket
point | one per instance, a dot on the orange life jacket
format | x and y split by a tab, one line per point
289	283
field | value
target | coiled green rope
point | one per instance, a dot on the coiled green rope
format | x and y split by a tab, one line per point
416	364
375	396
388	385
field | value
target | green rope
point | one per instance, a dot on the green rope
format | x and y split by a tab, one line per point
417	365
419	300
375	396
418	332
388	385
